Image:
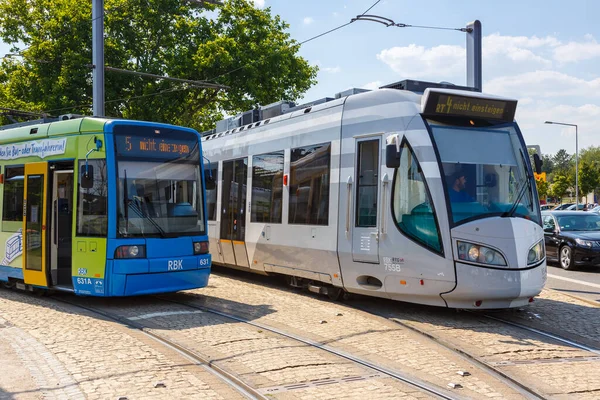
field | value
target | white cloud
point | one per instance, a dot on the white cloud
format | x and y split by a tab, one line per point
418	62
308	20
552	138
543	84
331	70
548	77
495	41
259	3
372	85
576	51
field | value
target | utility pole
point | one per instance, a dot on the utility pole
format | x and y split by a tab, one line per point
474	64
98	57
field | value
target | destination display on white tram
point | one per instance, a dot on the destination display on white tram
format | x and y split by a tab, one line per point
445	104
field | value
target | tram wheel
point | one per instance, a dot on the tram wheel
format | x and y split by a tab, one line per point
8	285
335	294
567	260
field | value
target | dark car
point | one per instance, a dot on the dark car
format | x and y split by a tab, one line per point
572	238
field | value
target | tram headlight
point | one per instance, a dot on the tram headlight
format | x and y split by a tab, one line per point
536	253
133	251
200	248
479	254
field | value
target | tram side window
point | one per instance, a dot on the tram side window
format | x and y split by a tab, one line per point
267	187
211	196
412	203
309	185
12	201
92	215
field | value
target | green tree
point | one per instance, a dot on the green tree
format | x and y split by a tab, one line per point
590	154
589	177
559	187
233	44
562	162
548	164
542	188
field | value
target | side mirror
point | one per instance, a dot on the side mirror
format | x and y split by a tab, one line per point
538	163
548	230
87	177
209	180
392	156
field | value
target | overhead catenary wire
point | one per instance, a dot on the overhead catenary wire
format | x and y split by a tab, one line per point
296	44
390	22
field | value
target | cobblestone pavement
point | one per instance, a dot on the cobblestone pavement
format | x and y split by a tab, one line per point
542	364
65	354
265	360
373	338
562	314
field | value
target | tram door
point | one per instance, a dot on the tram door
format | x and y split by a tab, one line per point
233	212
35	205
61	228
365	232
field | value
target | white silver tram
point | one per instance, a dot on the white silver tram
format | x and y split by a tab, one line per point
354	194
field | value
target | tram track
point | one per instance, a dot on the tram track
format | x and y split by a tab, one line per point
230	379
249	390
548	335
497	369
508	380
430	389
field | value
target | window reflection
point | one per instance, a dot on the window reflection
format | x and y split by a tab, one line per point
91	210
309	185
267	185
412	204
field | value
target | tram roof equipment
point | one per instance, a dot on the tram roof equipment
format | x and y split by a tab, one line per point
252	118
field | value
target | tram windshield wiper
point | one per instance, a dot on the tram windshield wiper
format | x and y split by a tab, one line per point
140	213
526	185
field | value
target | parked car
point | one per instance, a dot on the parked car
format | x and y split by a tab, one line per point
545	207
572	238
562	206
572	207
595	210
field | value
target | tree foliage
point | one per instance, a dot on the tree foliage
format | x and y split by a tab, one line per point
589	177
542	188
562	162
559	186
233	44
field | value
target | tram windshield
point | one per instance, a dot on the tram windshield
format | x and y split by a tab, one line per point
485	172
159	186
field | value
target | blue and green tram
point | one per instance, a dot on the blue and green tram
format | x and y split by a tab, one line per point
102	207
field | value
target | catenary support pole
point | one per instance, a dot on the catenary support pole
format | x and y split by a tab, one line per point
98	57
474	55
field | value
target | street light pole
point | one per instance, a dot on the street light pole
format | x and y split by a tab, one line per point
576	160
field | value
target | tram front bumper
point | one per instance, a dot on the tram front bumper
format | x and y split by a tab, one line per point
133	277
489	288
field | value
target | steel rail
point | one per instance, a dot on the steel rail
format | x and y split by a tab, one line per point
233	381
438	392
546	334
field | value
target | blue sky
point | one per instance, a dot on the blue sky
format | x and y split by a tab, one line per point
546	54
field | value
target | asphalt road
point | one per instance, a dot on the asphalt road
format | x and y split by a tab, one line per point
584	283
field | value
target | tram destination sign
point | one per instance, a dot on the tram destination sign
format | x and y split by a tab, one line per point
154	147
448	104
